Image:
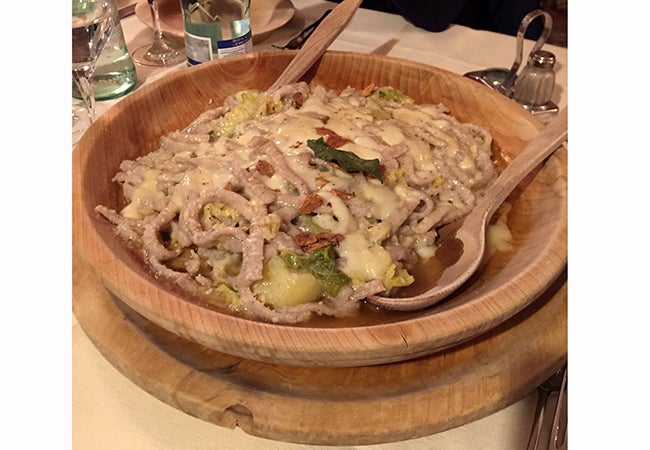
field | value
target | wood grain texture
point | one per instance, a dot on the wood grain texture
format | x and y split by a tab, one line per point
330	406
506	284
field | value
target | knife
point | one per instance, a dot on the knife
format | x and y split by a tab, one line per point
299	40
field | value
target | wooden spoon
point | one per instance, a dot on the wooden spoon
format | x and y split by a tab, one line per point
318	42
467	234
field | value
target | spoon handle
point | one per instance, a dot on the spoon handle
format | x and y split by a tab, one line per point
542	146
318	42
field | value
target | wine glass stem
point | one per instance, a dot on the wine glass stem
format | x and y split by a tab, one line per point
155	16
87	91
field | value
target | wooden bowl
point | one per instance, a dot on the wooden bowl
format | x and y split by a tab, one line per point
505	284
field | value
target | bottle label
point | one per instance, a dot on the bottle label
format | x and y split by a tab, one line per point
237	46
198	48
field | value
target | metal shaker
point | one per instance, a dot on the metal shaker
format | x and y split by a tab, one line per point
534	86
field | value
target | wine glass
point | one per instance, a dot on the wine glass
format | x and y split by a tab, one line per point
162	51
92	22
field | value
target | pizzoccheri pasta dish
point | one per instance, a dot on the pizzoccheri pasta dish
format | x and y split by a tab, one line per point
302	200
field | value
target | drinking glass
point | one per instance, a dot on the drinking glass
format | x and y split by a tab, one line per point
162	51
92	22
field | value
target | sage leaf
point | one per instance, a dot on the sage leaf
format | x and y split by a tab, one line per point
348	161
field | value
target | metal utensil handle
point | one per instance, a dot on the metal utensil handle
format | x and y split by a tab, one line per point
506	87
551	397
558	437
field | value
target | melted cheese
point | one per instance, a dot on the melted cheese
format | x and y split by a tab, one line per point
363	260
384	200
498	234
391	135
340	220
144	197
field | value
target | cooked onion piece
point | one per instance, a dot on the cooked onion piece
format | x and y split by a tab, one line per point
301	200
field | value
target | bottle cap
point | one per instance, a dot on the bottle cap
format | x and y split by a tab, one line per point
543	59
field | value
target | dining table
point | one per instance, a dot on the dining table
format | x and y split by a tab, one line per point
111	411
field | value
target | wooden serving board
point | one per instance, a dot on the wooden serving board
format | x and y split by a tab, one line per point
329	406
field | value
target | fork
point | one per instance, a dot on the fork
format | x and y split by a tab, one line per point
299	40
557	439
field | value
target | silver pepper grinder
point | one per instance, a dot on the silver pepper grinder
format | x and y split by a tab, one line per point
534	86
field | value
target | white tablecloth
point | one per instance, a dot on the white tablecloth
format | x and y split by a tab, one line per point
110	412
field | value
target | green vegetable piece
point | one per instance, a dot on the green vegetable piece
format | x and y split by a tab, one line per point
306	223
439	181
392	94
252	105
347	160
319	263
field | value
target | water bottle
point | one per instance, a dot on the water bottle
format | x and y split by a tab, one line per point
216	29
115	74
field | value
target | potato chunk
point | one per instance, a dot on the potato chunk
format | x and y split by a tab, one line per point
281	287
